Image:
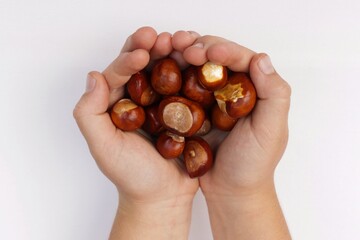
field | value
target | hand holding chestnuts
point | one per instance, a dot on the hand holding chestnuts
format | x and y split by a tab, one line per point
176	108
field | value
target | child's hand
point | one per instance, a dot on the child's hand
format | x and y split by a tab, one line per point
153	191
240	189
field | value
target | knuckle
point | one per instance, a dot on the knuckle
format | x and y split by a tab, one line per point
286	89
77	111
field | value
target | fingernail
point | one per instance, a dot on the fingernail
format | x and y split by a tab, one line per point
198	45
265	65
90	83
193	33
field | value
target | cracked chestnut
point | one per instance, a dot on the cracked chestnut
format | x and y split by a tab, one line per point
238	97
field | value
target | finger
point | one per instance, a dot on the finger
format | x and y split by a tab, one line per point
273	94
219	51
236	57
120	70
133	57
184	39
162	46
90	113
180	41
178	57
143	38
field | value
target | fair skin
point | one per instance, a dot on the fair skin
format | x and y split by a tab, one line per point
155	194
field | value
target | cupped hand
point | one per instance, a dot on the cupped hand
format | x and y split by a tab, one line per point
247	156
129	159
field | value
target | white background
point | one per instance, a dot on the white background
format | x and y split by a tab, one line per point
50	188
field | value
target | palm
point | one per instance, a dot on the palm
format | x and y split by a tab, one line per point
240	158
135	166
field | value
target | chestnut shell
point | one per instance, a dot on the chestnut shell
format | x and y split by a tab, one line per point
192	111
126	115
166	77
238	97
198	156
140	89
193	90
212	76
170	145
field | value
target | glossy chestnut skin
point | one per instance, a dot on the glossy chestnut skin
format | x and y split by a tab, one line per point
170	145
198	156
152	124
222	120
180	115
126	115
212	76
166	77
193	90
205	127
140	89
238	97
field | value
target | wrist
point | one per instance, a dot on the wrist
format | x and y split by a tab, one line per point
163	219
247	213
244	200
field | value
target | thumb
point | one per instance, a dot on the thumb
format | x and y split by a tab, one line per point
91	114
273	92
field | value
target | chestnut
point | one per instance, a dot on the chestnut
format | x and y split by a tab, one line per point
212	76
192	89
180	115
222	120
140	89
152	124
166	77
198	156
205	127
238	97
170	145
126	115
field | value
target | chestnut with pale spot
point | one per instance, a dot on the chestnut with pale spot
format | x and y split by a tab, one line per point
140	89
212	76
238	97
198	156
180	115
205	127
221	120
170	145
193	90
126	115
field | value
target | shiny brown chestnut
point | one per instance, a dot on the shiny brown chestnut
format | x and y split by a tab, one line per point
198	156
166	77
222	120
238	97
180	115
192	89
170	145
126	115
212	76
152	124
205	127
140	89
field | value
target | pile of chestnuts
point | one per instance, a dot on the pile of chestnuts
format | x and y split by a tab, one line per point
177	107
